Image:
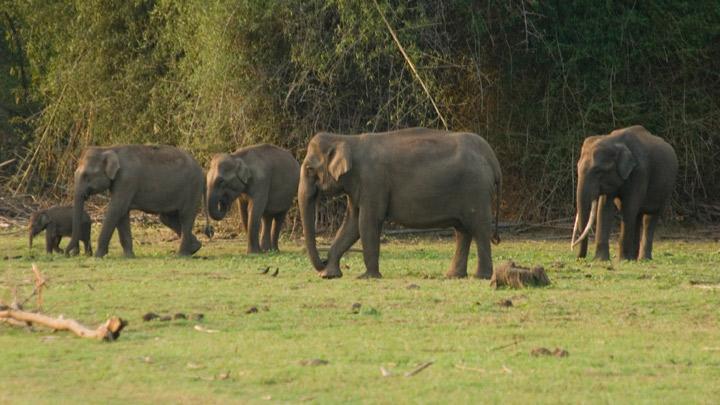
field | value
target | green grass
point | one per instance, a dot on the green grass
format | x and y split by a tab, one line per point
636	332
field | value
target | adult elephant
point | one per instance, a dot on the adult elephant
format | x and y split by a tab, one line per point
630	169
159	179
265	179
415	177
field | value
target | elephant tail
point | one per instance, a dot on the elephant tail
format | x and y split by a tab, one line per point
496	234
208	229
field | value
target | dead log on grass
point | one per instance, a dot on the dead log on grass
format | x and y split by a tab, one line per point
509	274
15	315
109	330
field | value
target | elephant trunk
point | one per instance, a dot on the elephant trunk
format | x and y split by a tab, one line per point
208	231
78	211
308	202
217	205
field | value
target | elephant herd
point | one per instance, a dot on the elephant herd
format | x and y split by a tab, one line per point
420	178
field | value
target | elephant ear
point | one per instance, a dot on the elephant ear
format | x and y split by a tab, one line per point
43	220
243	172
626	161
340	160
112	164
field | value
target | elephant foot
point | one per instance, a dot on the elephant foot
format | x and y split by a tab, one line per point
195	245
370	275
456	274
100	253
72	250
129	255
602	257
484	275
330	273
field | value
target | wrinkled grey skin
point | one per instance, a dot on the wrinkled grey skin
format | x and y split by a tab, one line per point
633	171
160	180
420	178
57	222
264	178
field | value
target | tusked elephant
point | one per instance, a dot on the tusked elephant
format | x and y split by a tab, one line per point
57	222
158	179
264	178
416	177
630	169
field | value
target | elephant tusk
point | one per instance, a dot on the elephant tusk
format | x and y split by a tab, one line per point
575	229
588	227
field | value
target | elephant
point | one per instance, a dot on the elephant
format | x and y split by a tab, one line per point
57	222
156	179
264	178
631	170
416	177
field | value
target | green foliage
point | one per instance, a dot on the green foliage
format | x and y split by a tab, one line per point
533	77
635	332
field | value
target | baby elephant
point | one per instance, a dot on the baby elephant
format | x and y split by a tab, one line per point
57	222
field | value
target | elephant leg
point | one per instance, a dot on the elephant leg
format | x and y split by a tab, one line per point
244	215
649	223
256	209
115	211
346	236
277	224
125	235
370	224
485	264
638	236
265	233
628	231
56	248
458	267
86	240
172	221
49	239
606	212
189	244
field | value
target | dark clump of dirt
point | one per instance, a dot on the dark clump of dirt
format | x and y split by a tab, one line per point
542	351
313	362
356	308
505	303
251	310
413	287
150	316
509	274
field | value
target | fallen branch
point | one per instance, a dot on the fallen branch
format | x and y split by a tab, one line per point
109	330
418	369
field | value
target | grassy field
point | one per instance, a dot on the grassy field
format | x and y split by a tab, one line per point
635	332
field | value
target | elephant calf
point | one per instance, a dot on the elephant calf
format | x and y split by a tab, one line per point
265	179
417	177
158	179
58	222
630	169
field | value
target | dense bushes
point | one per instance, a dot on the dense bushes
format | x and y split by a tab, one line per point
533	77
